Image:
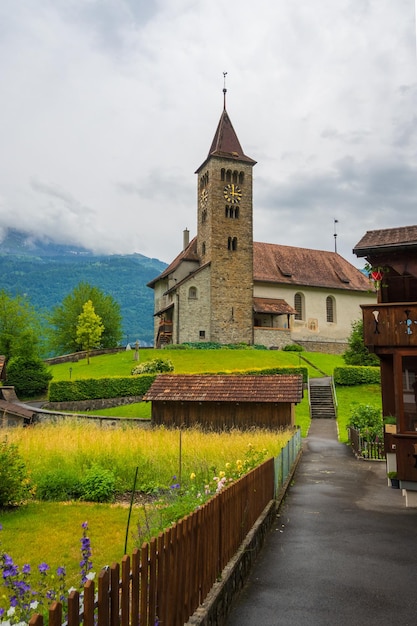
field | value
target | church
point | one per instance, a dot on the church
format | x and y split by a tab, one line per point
223	287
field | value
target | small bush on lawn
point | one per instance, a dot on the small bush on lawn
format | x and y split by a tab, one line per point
98	485
58	485
368	420
156	366
14	478
293	347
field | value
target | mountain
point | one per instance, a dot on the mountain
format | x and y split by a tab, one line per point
45	272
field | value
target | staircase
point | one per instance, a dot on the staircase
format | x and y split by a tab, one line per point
321	398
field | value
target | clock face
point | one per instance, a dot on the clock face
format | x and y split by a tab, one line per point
232	193
204	197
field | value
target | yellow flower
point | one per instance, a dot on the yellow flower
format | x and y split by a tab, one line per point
228	465
192	475
222	474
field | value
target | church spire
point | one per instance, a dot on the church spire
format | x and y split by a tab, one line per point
225	142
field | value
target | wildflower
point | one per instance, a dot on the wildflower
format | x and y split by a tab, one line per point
43	568
34	605
192	476
61	571
228	465
222	474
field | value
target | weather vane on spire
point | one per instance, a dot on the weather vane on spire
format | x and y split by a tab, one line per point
224	89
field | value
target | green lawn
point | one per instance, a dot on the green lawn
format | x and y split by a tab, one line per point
193	361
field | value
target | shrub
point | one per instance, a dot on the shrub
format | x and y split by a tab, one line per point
98	485
30	377
14	480
358	353
156	366
93	388
357	375
293	347
58	486
368	420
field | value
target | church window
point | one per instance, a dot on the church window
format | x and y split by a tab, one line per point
232	243
203	216
228	176
203	248
222	173
192	293
235	176
231	211
202	334
330	309
299	306
241	178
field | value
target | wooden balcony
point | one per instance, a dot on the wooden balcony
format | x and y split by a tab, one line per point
392	324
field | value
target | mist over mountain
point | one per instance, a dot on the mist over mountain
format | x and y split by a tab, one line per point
45	272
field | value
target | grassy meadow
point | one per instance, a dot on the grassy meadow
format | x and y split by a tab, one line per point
51	531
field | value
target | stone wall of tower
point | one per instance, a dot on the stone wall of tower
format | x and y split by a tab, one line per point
227	243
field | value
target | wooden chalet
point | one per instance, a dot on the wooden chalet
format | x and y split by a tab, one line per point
390	330
221	402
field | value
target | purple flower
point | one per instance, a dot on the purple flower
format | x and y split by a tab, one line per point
8	560
1	610
84	525
61	571
43	568
26	568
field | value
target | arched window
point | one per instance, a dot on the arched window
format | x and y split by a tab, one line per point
228	176
241	178
330	309
192	293
203	248
299	306
222	173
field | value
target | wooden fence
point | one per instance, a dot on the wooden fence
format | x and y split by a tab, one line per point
363	448
164	582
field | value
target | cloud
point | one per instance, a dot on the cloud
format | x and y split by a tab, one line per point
108	107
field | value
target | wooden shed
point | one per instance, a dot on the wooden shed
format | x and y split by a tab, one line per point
221	402
13	413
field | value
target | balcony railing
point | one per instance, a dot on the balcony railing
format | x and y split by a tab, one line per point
390	324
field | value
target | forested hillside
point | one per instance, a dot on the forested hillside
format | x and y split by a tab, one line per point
45	273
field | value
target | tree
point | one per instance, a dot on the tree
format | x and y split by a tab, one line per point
358	353
19	327
89	329
28	375
64	319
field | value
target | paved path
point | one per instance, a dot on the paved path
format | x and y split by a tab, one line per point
343	550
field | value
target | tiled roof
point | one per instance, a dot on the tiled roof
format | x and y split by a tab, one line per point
275	306
227	388
16	409
401	237
225	141
289	265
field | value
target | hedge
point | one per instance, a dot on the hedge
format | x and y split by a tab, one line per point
96	388
357	375
119	386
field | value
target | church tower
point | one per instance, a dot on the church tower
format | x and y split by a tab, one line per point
225	234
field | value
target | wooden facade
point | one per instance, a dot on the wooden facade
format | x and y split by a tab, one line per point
390	330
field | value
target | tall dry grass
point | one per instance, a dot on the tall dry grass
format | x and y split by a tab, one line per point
78	445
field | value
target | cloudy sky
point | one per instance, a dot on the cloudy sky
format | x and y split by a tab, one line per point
108	107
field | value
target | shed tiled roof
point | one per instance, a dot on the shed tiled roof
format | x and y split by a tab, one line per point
290	265
218	388
387	238
274	306
17	410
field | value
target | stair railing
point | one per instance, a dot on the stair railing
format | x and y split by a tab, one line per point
334	394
